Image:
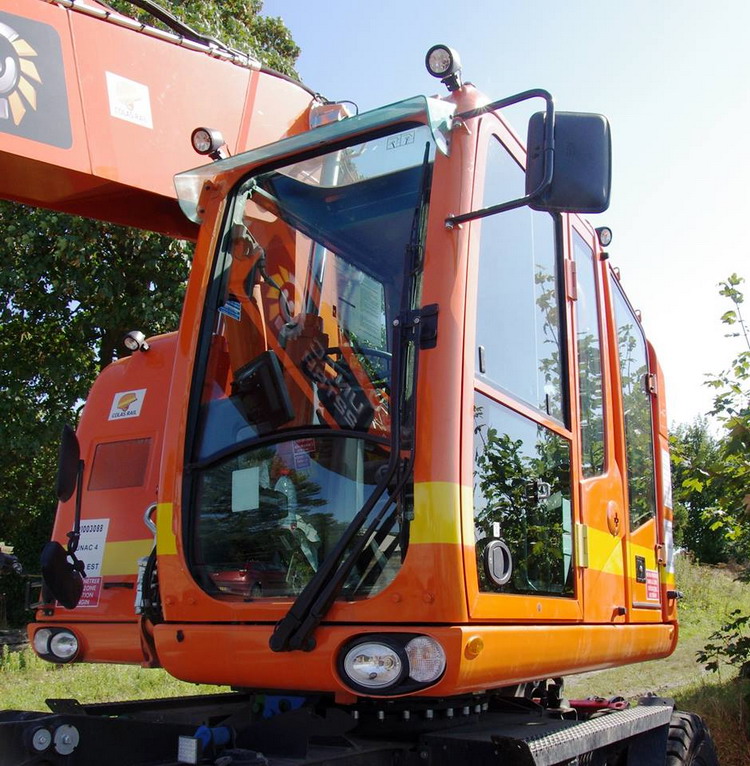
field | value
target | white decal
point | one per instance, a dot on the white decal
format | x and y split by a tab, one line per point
129	100
127	404
246	489
91	552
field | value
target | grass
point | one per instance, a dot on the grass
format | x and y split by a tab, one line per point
710	595
28	681
724	707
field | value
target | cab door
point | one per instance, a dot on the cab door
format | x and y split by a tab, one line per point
602	534
520	563
636	457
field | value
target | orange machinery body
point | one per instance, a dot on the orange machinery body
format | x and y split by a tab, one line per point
97	110
614	615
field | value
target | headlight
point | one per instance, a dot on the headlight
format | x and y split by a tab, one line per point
391	663
41	641
426	659
373	665
63	646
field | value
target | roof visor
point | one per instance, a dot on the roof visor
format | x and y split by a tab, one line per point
436	114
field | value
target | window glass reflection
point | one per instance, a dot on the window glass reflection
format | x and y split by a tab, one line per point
636	405
522	497
589	361
518	315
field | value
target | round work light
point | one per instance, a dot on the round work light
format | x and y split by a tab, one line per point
135	340
604	233
41	641
373	665
207	141
442	61
63	646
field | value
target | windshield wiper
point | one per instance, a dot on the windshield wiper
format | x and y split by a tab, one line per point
294	631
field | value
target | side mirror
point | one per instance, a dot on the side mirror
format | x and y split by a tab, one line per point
62	578
67	464
582	164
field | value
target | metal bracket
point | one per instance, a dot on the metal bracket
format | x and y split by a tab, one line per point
423	322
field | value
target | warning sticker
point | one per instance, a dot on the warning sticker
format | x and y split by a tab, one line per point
91	552
127	404
92	589
652	585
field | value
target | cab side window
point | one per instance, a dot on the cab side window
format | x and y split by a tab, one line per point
589	360
636	405
518	317
522	485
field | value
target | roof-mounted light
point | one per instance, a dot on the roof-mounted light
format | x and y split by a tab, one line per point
443	62
604	233
208	141
135	340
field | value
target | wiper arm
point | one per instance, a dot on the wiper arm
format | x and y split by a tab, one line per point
294	630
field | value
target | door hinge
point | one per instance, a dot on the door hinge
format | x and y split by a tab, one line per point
582	545
571	280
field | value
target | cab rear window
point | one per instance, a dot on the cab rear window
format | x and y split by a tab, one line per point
120	464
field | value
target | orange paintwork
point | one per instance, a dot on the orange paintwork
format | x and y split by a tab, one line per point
118	165
239	654
224	639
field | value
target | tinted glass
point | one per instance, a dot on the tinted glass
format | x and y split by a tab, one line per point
518	314
268	517
522	497
120	464
589	360
636	404
298	386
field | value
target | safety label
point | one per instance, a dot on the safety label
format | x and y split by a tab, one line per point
652	585
91	552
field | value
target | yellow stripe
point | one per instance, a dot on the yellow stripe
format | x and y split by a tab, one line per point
437	517
122	558
166	542
605	552
641	550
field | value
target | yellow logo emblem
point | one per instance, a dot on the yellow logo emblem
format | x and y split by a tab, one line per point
19	76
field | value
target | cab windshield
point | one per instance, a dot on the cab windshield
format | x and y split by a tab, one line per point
293	431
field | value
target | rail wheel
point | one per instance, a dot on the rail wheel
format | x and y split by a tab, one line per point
690	742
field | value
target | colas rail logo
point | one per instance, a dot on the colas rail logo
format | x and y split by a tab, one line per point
19	76
127	404
124	402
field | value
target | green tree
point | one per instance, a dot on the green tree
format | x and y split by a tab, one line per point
731	407
712	473
236	23
70	288
697	492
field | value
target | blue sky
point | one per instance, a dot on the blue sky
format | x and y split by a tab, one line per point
672	77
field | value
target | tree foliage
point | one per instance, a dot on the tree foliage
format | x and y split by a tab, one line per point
237	23
69	290
712	474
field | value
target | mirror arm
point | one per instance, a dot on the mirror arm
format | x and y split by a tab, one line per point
549	153
75	534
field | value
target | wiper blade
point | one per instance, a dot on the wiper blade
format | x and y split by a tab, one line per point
294	630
